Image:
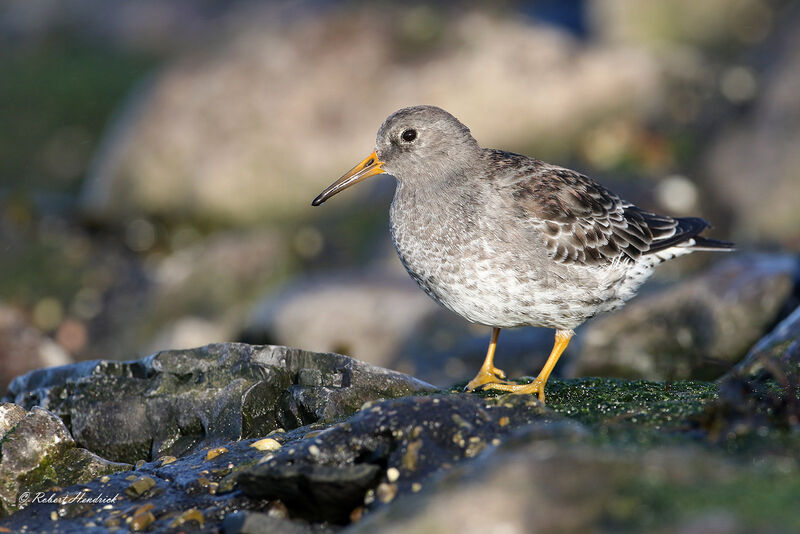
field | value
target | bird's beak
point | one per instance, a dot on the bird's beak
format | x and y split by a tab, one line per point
369	167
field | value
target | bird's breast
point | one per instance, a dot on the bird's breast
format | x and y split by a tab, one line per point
459	260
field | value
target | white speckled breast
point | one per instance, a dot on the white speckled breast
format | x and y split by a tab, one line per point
472	263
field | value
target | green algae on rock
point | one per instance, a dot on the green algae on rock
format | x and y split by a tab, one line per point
37	452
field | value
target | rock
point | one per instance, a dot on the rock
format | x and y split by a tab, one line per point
761	393
173	402
258	523
387	320
37	452
781	347
24	348
695	329
365	316
198	294
604	455
189	145
326	477
10	415
549	487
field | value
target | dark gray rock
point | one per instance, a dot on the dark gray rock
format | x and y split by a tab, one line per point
258	523
312	478
762	393
454	462
391	449
696	329
547	486
37	452
779	350
175	401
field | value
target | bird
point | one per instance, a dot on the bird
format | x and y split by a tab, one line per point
506	240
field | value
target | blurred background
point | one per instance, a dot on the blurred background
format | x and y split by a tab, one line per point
158	159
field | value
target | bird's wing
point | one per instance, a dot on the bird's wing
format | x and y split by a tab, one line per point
584	223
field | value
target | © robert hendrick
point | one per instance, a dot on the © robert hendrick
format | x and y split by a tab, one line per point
505	240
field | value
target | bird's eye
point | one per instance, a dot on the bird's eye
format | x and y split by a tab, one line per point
409	135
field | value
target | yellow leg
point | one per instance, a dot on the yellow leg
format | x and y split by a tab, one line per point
489	374
537	386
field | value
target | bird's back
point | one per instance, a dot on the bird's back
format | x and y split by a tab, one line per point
528	243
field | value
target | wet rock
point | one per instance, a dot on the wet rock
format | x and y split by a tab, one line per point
37	452
695	329
547	486
24	348
176	401
761	394
156	160
315	492
780	349
595	458
349	465
258	523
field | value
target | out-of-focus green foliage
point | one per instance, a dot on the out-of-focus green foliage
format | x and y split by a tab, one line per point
55	99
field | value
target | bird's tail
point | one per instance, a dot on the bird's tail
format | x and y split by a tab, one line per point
712	245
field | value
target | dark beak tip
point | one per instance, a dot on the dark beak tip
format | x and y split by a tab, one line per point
317	201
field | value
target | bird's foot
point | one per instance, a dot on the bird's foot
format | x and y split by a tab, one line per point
537	386
487	375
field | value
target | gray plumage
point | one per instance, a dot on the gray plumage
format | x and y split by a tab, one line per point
505	240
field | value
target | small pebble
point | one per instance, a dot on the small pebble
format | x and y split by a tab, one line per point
266	444
504	421
54	516
142	521
143	517
140	486
192	514
392	474
386	492
104	479
278	510
313	450
213	453
166	460
416	486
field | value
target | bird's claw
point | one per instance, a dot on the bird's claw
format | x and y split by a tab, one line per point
536	386
486	376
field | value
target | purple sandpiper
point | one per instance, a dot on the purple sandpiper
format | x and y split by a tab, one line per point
505	240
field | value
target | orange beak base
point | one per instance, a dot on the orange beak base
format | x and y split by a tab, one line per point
370	166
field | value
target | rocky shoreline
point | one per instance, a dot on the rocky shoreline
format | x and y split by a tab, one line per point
240	438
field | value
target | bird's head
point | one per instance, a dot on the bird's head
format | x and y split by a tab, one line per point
420	144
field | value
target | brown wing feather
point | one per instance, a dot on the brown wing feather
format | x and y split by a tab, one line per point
584	223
